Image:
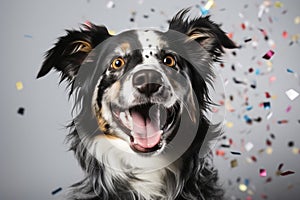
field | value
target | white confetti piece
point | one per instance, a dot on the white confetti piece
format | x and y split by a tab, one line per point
292	94
110	4
249	146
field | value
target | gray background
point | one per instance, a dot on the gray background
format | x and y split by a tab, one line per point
34	158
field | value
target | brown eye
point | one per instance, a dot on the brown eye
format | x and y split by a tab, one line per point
169	61
118	63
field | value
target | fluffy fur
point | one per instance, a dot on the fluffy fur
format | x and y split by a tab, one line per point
76	56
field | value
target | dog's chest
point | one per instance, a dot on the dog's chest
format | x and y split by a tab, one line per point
150	185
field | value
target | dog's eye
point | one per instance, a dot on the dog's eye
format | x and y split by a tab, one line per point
118	63
169	60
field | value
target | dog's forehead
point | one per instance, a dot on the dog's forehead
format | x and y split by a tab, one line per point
144	40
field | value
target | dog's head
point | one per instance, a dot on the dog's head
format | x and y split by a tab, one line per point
138	83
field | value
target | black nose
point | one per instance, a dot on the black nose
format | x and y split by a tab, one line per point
147	81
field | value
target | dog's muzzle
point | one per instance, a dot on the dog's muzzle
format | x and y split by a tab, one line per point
147	82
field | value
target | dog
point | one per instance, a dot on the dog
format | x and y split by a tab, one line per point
140	97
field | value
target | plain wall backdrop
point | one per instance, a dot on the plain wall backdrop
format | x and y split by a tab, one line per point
34	160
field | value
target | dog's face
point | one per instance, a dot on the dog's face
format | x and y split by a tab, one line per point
137	84
146	83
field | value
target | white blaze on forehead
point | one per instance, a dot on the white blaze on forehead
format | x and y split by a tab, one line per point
151	43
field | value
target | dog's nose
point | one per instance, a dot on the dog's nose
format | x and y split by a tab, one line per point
147	81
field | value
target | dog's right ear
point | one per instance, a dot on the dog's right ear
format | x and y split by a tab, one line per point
70	51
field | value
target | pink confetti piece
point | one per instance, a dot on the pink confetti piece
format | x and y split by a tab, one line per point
262	172
268	55
288	109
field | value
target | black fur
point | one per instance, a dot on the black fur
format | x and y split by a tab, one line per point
197	178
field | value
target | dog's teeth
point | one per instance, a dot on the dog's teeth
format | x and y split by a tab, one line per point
123	118
129	118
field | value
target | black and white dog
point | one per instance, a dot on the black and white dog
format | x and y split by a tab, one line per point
140	129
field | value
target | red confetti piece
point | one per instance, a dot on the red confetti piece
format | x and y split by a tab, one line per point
268	55
284	34
243	26
268	142
267	95
268	180
286	173
220	153
253	158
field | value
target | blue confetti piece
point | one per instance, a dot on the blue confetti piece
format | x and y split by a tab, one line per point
257	72
56	191
28	36
267	105
249	108
247	119
204	11
247	182
290	71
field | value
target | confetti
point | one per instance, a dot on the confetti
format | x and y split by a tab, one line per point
21	111
225	145
267	105
238	82
288	109
247	119
235	153
249	146
28	36
19	85
229	124
234	163
267	94
249	108
296	150
297	20
203	11
243	187
54	192
284	121
290	71
110	4
286	173
253	158
290	143
284	34
268	142
268	55
269	179
278	4
262	172
292	94
220	153
269	150
247	40
209	4
280	166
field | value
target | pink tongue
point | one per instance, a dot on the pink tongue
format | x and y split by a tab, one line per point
146	134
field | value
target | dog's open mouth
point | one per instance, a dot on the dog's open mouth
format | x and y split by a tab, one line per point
147	125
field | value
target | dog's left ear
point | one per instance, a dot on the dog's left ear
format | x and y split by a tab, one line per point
207	33
69	52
